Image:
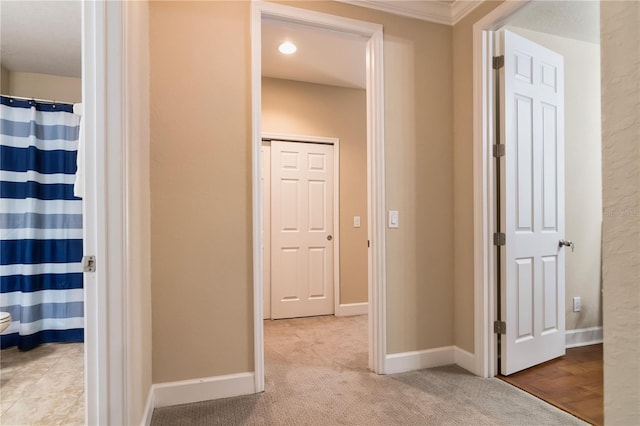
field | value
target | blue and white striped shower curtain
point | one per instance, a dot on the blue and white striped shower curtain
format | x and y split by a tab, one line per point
40	224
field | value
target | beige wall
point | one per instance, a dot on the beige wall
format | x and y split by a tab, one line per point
201	264
201	185
4	81
317	110
463	234
583	182
44	86
620	41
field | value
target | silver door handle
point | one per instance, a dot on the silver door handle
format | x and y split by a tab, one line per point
566	243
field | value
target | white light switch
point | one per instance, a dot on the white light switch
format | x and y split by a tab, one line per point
356	221
393	219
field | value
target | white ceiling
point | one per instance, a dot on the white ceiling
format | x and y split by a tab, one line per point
323	56
41	37
579	20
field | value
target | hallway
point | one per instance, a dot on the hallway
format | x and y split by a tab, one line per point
316	374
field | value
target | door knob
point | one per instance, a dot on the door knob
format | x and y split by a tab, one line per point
566	243
329	237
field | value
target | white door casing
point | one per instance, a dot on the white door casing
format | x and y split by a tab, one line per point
301	229
375	171
532	203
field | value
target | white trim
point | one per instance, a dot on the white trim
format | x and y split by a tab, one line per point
377	277
430	11
336	201
114	196
104	209
417	360
203	389
483	178
136	212
256	196
300	138
350	309
583	337
147	414
464	359
375	171
96	373
461	8
439	12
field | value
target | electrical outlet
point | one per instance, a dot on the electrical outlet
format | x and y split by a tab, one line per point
577	304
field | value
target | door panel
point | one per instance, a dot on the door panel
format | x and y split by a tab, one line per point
301	228
532	211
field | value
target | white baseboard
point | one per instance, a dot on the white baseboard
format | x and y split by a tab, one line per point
349	309
583	337
464	359
205	389
417	360
148	409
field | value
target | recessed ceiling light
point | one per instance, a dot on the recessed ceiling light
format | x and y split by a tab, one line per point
287	48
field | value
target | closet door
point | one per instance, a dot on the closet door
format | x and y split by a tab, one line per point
301	229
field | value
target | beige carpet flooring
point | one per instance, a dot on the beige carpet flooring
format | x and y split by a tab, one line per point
316	374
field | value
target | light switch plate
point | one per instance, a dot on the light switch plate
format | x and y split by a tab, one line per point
356	221
393	219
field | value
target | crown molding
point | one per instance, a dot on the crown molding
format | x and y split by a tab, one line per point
440	12
461	8
431	11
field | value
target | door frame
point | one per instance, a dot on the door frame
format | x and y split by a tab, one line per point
375	171
116	211
484	197
335	142
105	392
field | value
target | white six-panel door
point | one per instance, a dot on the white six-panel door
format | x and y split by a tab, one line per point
532	208
301	229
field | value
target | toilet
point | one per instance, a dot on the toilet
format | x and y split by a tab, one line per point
5	321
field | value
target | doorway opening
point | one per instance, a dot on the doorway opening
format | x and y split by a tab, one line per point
43	327
371	35
578	302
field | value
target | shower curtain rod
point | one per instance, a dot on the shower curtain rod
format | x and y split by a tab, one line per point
43	101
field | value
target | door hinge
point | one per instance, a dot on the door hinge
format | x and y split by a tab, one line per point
88	263
498	62
498	150
499	239
500	327
368	243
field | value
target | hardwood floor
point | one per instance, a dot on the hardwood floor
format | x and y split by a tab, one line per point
572	382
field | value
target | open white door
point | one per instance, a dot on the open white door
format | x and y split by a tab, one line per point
532	207
301	229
